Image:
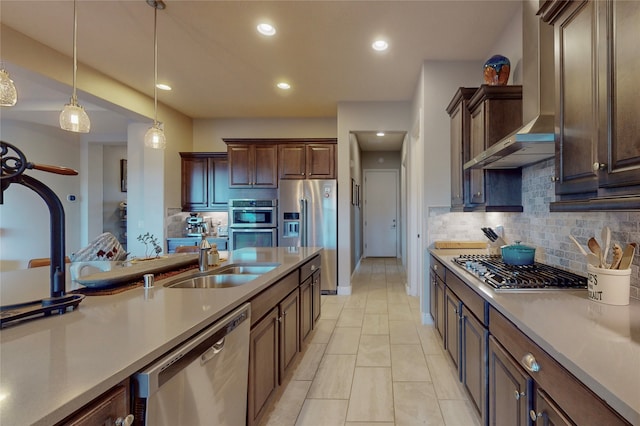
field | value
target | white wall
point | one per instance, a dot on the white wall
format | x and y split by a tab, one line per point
112	196
24	216
208	133
509	44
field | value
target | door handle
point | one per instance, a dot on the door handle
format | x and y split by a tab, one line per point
212	351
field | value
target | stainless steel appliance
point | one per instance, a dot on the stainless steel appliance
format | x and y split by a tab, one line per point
253	223
309	218
503	277
203	382
196	225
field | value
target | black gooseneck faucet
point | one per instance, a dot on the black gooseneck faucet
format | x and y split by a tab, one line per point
13	167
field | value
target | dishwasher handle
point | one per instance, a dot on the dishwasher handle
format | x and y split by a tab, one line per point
212	352
151	378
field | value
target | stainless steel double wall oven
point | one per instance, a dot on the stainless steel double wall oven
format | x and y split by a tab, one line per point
253	223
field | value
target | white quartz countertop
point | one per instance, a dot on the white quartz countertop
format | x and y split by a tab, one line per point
50	367
597	343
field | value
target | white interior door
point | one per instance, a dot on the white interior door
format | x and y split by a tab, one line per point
380	213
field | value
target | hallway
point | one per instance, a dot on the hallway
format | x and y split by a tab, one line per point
371	361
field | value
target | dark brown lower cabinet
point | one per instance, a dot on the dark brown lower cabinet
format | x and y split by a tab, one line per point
316	303
452	326
509	389
473	361
107	409
547	412
263	365
289	332
306	308
439	298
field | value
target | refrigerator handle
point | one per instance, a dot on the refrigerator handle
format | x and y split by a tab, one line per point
303	222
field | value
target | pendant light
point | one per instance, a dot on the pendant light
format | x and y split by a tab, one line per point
73	117
155	138
8	93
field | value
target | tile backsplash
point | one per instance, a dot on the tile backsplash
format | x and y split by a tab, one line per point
536	226
177	221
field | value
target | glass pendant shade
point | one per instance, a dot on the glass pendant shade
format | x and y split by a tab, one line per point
154	138
8	93
74	118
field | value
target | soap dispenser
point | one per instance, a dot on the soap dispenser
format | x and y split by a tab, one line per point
203	259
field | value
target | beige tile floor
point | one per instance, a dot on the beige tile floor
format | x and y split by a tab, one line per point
371	362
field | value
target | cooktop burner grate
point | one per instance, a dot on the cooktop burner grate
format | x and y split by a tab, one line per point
538	276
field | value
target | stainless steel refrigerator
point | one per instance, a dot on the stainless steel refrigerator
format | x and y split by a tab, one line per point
308	217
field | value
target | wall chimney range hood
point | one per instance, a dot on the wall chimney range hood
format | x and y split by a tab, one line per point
535	141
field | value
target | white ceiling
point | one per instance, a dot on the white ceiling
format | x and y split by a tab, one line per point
219	66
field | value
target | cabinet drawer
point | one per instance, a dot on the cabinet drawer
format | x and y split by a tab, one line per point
576	400
470	299
438	267
265	301
308	268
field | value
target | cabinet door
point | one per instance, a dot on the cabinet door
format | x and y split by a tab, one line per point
219	183
476	140
289	331
457	132
266	166
240	165
306	308
473	361
195	183
576	143
316	286
619	137
547	412
509	389
263	365
433	283
452	326
440	311
106	409
320	161
291	161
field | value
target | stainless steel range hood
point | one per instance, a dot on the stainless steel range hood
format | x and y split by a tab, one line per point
534	141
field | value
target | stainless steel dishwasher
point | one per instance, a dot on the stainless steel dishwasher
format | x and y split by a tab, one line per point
203	382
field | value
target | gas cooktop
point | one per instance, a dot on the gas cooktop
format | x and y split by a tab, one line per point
503	277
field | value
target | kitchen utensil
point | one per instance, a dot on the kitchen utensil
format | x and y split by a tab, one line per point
493	234
518	254
582	250
593	260
617	256
606	240
488	234
595	249
627	256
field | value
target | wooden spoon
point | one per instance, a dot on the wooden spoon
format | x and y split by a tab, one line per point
606	240
595	249
617	256
582	250
627	256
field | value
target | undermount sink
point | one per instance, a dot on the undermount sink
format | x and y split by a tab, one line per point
231	275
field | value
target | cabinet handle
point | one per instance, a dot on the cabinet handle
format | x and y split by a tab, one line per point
555	179
478	194
518	394
127	421
534	416
530	363
279	319
435	267
598	166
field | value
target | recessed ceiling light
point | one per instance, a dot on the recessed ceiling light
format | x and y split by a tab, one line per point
283	85
163	86
380	134
266	29
380	45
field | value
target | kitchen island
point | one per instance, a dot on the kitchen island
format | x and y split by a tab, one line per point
596	343
51	367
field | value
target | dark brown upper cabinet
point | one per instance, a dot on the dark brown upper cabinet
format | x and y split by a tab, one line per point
460	124
205	181
311	160
252	164
597	130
